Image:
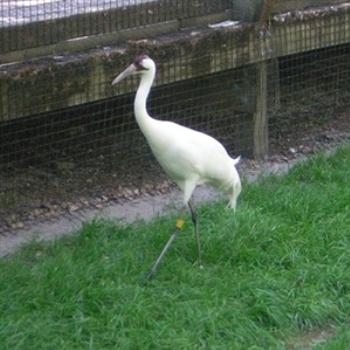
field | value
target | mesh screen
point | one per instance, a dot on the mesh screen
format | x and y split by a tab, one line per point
74	154
33	23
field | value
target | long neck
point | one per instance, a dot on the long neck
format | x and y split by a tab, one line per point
140	109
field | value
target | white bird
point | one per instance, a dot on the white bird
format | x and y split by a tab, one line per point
189	157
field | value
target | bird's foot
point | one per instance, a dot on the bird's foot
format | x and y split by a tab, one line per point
199	264
148	277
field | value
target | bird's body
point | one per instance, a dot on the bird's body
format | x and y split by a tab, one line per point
188	156
193	158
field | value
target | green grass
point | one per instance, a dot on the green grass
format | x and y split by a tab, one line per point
340	341
274	271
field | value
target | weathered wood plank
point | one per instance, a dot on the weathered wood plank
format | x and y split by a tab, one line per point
57	82
261	138
279	6
53	31
261	10
81	43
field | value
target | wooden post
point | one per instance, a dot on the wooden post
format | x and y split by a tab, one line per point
265	13
261	140
276	83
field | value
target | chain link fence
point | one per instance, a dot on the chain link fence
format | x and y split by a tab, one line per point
68	140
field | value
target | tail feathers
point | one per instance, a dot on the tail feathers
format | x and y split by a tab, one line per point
236	160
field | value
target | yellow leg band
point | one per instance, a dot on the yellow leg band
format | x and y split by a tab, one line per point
180	224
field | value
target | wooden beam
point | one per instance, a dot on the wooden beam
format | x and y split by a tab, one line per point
261	138
278	6
136	17
61	81
88	42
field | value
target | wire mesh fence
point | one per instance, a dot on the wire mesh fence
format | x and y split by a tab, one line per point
34	23
68	140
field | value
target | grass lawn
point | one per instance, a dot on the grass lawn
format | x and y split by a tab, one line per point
275	271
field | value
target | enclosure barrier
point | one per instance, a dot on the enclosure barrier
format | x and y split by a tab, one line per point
41	23
69	140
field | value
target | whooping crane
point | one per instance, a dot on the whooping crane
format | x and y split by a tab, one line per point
189	157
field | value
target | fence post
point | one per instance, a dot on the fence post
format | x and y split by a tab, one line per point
261	140
276	83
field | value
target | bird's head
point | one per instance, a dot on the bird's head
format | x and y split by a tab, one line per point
142	65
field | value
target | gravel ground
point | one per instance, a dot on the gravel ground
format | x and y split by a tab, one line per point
72	182
143	207
149	201
67	187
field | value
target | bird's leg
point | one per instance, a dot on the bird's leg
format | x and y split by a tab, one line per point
196	231
179	226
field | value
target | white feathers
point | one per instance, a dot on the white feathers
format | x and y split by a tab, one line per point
189	157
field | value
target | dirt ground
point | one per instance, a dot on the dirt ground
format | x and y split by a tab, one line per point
54	205
67	188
